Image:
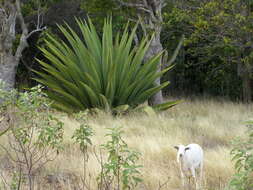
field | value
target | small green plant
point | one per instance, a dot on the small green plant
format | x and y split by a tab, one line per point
120	171
35	135
16	180
6	97
243	157
82	137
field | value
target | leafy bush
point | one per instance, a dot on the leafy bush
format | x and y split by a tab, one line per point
120	171
34	137
243	157
89	72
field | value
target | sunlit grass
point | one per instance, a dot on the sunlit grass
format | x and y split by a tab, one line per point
210	123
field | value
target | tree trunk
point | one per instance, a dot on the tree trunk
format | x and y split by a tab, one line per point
158	97
154	49
246	85
8	67
149	13
244	71
10	12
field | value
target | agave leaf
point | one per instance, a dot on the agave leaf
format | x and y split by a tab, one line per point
104	102
62	107
166	105
91	95
149	111
61	104
148	93
146	109
121	108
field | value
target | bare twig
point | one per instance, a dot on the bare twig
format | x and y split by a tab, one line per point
4	181
7	152
35	31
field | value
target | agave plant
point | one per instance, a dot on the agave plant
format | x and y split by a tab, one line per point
91	72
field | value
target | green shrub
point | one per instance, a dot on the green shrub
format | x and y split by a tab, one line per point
35	135
243	157
89	72
82	137
120	171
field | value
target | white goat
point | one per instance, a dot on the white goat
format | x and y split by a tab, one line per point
190	158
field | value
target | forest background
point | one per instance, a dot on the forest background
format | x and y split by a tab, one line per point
215	59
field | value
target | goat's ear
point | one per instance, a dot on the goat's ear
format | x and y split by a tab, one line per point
187	148
176	147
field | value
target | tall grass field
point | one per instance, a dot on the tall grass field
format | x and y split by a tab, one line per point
212	124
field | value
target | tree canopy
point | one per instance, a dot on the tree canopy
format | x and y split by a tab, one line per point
216	57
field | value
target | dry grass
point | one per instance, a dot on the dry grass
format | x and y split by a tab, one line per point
209	123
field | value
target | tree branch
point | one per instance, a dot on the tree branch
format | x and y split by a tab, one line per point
25	35
37	30
23	40
145	6
136	5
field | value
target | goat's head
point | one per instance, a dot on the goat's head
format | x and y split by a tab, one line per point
181	149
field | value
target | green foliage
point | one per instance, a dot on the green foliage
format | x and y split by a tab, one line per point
32	111
6	97
102	73
31	7
99	9
121	163
120	170
35	135
167	105
216	42
82	135
243	157
51	136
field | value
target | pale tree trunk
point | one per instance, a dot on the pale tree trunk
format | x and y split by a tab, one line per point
153	22
10	12
154	49
8	67
150	15
8	15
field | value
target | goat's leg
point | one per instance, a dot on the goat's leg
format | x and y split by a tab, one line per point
182	176
194	177
189	183
201	174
